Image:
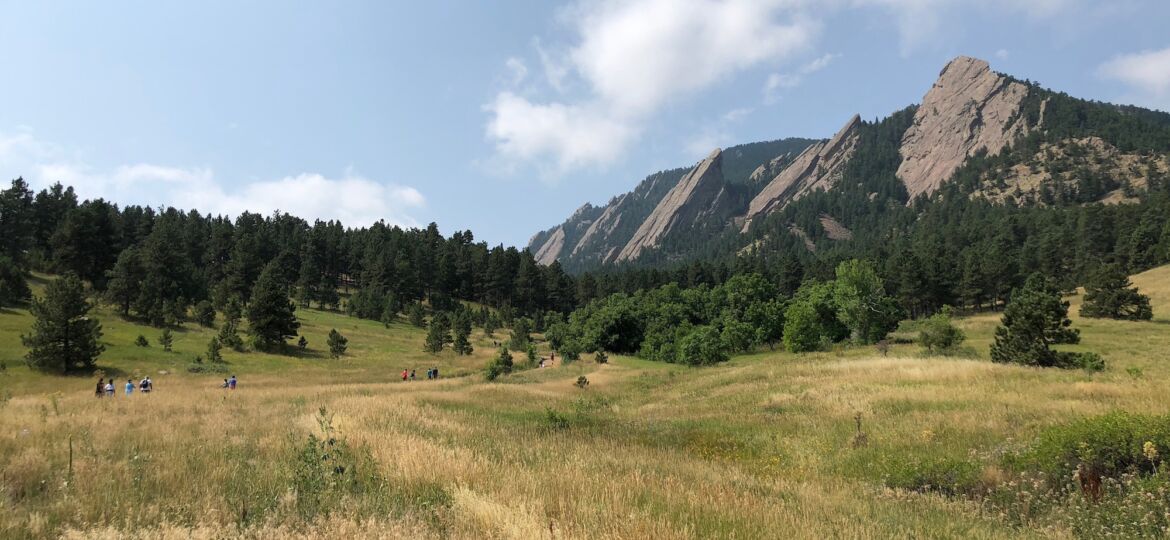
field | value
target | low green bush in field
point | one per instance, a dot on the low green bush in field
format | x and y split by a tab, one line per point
1112	445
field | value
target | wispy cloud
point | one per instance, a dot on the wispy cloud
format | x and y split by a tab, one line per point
1146	74
777	82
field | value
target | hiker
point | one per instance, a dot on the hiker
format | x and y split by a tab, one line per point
110	387
129	387
149	384
412	374
232	383
101	389
405	374
143	386
436	370
225	384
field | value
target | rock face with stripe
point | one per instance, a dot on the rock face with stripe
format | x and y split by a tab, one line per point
700	196
818	167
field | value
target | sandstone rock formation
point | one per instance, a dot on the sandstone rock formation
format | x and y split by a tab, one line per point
769	170
698	197
969	108
818	167
551	248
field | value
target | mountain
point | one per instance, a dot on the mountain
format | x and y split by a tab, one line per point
598	235
985	135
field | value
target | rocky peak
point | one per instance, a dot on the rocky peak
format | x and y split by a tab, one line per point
699	196
969	108
818	167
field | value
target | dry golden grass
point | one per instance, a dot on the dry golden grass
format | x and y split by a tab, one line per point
757	448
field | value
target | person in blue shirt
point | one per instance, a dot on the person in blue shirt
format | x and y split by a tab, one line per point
129	387
232	383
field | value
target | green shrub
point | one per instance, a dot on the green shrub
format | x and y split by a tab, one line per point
938	334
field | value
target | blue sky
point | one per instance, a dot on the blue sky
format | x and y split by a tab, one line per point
499	117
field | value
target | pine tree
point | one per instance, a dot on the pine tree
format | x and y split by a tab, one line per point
229	335
13	287
16	222
166	339
462	328
205	314
417	315
521	328
271	314
213	351
1110	295
438	334
1035	319
337	343
64	337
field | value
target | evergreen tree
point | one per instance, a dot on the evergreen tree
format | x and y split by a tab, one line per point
124	282
64	337
205	314
490	324
271	314
213	351
337	343
521	328
166	339
500	365
438	334
417	315
1110	295
87	241
1035	319
229	334
49	209
462	328
13	287
16	222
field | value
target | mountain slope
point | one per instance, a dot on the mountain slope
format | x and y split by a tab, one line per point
981	134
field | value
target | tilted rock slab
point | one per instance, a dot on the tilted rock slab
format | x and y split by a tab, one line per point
551	249
698	196
969	108
818	167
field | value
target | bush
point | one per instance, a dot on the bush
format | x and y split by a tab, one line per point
601	357
582	382
500	365
702	346
141	341
938	334
1111	444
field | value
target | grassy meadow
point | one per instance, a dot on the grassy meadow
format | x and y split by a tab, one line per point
764	446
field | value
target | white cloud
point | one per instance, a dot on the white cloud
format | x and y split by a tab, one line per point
1147	73
573	135
352	198
1002	54
633	58
779	81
